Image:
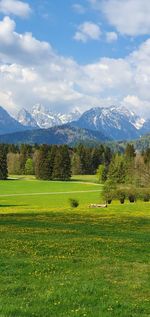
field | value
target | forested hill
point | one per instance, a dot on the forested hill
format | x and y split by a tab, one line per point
57	135
140	144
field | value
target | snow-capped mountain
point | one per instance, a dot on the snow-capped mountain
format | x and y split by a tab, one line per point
115	122
41	117
26	119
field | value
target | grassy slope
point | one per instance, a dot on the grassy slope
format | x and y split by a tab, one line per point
84	263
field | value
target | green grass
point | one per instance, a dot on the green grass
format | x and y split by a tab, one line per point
60	262
42	195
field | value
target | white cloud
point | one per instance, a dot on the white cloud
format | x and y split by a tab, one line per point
129	17
24	48
32	72
140	106
15	7
87	31
111	37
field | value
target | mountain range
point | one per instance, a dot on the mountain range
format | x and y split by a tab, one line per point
41	117
95	125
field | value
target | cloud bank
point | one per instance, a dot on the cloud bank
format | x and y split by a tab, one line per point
32	72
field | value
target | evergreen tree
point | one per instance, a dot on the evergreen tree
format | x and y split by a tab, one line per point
97	157
3	163
51	157
130	152
81	151
42	163
101	173
117	169
62	164
107	156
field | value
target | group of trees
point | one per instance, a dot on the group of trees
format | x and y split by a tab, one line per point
128	175
54	162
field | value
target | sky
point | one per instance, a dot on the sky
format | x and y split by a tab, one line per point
75	54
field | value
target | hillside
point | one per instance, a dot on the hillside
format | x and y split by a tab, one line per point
64	134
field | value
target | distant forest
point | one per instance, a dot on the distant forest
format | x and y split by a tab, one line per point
60	162
52	162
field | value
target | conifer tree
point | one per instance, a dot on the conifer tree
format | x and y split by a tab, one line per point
62	164
117	170
42	163
3	163
51	157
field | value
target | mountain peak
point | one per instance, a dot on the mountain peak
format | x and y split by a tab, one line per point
116	122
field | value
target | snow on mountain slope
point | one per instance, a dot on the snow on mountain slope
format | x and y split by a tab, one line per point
116	122
41	117
26	119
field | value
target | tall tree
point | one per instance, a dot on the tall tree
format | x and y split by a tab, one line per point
42	163
3	162
13	163
29	167
117	169
62	164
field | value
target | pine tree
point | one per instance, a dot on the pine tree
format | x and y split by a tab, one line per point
97	157
130	152
117	170
62	164
51	157
3	163
42	163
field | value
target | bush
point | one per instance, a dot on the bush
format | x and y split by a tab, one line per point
73	203
132	194
145	194
121	195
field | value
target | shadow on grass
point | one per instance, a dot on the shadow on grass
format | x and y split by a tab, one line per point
10	205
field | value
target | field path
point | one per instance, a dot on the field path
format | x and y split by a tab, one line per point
50	193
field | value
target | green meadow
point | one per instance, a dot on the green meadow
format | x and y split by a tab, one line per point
56	261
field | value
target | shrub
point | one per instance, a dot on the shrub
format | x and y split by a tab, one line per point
121	195
73	203
145	194
132	194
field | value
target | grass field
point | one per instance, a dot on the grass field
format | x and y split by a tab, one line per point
24	195
60	262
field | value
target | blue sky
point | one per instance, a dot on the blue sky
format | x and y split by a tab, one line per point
56	21
69	54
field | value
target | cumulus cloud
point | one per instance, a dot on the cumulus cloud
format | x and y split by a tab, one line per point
87	31
111	37
15	7
32	72
24	48
129	17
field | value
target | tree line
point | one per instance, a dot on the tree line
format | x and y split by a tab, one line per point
52	162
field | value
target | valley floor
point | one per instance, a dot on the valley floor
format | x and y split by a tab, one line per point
60	262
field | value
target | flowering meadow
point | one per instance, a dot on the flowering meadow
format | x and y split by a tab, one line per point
67	262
